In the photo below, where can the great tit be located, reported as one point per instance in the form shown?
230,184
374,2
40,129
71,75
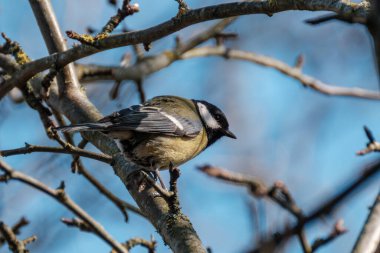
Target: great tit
162,131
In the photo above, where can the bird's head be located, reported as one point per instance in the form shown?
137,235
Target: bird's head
214,121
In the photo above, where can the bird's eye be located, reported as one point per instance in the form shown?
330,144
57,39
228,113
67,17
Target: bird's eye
217,117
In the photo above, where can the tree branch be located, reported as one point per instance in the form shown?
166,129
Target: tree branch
150,245
337,230
148,65
369,238
15,228
154,33
158,62
15,245
125,10
65,200
257,188
290,71
68,150
122,205
55,42
75,105
78,223
372,145
326,207
373,24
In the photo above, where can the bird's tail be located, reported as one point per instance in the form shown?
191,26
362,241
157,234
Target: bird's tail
82,127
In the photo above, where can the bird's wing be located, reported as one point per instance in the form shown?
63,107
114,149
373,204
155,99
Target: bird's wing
150,119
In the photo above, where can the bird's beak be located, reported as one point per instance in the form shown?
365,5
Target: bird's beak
229,134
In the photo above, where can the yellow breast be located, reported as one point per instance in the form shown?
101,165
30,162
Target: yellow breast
165,149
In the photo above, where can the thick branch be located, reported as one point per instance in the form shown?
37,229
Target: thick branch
76,107
374,28
343,8
54,41
369,239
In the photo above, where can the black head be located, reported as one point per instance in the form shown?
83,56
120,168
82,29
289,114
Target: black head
213,120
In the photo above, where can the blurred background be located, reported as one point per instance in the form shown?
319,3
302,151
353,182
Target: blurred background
285,131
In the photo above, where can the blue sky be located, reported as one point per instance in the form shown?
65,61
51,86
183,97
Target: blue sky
285,131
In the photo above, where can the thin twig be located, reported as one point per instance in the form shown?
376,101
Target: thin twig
30,239
337,230
256,187
278,193
140,90
286,201
47,82
15,245
148,65
77,163
304,242
12,47
281,195
158,62
182,8
331,17
76,222
325,208
288,70
150,245
69,150
122,205
125,62
114,21
15,228
372,145
65,200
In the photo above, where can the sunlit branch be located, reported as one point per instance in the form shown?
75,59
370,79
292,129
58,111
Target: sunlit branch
189,18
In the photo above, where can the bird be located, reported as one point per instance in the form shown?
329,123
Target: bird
162,132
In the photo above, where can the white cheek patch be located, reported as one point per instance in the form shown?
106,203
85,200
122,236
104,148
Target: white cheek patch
207,117
173,119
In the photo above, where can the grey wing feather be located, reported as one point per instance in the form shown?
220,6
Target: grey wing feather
150,119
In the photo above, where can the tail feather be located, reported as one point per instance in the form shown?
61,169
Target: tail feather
82,127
